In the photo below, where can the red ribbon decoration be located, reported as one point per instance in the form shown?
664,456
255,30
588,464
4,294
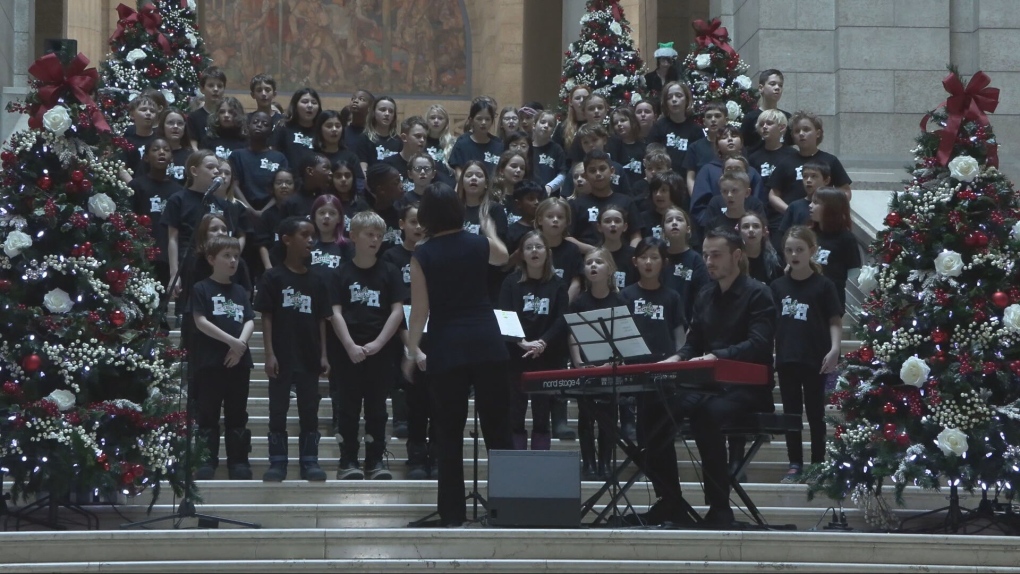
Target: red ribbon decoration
965,103
150,20
713,33
55,81
616,11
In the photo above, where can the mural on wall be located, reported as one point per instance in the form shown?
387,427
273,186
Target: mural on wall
398,47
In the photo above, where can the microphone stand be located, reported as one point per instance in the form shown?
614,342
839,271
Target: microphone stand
186,508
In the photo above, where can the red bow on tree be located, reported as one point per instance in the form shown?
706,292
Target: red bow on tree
713,33
150,20
616,11
56,80
965,103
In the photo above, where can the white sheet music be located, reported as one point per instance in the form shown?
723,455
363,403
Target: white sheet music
509,323
587,329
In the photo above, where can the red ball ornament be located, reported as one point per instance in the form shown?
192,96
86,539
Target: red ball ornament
70,188
11,388
93,317
939,336
867,355
981,238
85,185
980,316
1000,299
5,285
44,183
903,439
713,85
893,219
971,239
143,220
1015,367
889,431
31,363
117,317
889,408
77,175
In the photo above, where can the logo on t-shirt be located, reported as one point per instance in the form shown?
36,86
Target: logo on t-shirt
296,300
615,179
793,307
544,159
382,153
634,167
767,169
472,228
657,232
222,152
621,279
800,173
512,218
156,205
319,257
347,224
676,142
175,171
407,184
491,158
227,308
391,235
680,271
539,306
593,214
364,295
558,272
215,210
267,165
141,151
650,310
436,153
822,257
302,139
406,272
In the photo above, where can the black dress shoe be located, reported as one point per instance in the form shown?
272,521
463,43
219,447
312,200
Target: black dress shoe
718,518
662,513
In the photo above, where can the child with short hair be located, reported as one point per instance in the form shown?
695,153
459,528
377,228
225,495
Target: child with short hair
362,102
228,128
838,253
380,139
382,194
421,170
627,146
211,83
593,137
665,191
808,336
414,397
528,194
548,160
540,301
477,144
733,201
763,262
255,165
152,190
786,184
143,111
676,129
706,184
295,136
601,292
772,150
221,360
295,307
816,175
413,132
263,90
704,150
770,85
647,111
367,297
266,239
599,172
655,162
315,179
595,107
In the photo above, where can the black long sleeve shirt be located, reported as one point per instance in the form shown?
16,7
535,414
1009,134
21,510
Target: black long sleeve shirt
738,324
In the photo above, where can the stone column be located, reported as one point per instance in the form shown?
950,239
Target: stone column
986,37
17,52
85,23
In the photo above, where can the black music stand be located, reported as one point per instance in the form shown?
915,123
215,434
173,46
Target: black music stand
607,335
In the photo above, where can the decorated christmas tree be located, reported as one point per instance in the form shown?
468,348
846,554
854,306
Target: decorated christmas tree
715,72
931,398
604,58
87,385
156,47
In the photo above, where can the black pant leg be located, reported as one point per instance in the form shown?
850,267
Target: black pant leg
235,399
814,408
419,408
791,380
492,395
279,403
378,376
449,390
307,390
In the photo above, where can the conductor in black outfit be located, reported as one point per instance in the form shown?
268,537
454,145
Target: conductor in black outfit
734,318
449,274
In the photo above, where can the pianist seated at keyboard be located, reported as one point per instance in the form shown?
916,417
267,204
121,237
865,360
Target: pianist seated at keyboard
734,318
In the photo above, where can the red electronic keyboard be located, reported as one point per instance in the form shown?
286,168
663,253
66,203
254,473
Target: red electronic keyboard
690,375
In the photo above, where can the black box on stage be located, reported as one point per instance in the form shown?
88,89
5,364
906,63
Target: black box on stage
534,488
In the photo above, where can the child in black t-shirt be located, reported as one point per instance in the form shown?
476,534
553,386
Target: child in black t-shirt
548,160
786,184
684,270
600,293
152,190
816,175
665,190
411,403
733,201
540,301
808,336
294,303
658,310
527,195
266,239
763,262
143,111
219,355
599,172
367,297
613,226
331,247
227,129
315,174
838,253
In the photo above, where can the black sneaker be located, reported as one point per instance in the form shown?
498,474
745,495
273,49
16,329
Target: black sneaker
349,471
378,471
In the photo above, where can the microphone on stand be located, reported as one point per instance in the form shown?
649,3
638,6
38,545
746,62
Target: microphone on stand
208,195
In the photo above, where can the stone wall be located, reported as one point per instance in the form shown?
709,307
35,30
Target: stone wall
872,68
